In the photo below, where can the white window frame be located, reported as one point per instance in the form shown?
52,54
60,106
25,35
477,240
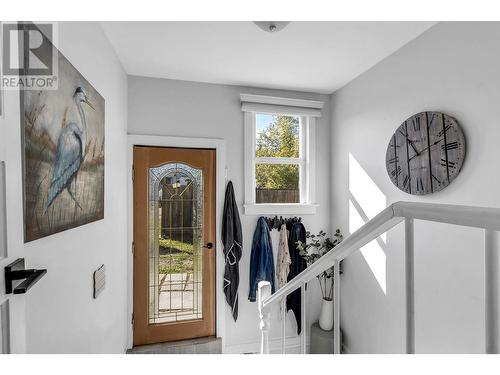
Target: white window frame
307,111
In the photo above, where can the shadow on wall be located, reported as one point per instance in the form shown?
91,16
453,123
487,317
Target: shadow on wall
366,200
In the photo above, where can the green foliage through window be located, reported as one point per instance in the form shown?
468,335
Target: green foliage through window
280,139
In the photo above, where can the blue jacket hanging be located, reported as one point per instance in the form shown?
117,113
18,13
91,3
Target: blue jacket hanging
261,258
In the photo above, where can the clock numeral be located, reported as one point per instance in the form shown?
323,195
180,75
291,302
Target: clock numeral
437,179
448,164
430,118
404,134
394,160
441,132
406,181
420,185
396,172
416,124
449,146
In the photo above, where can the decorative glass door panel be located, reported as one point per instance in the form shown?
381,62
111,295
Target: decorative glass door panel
175,243
174,220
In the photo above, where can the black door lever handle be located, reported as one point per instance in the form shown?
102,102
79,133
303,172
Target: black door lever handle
16,271
209,245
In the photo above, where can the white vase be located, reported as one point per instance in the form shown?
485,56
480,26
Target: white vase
326,316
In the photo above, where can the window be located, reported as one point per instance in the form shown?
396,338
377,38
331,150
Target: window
278,158
279,154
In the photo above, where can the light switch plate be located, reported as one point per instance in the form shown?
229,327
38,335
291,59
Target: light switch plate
99,280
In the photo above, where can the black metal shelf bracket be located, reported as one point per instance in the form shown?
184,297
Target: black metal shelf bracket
15,272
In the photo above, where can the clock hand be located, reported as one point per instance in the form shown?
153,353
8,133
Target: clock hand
435,143
413,147
414,156
410,142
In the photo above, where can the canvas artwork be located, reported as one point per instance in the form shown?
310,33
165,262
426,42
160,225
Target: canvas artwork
63,139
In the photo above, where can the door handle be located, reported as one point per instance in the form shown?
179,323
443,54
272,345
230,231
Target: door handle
16,271
209,245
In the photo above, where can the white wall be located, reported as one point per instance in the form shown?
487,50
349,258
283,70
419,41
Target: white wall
61,315
452,68
188,109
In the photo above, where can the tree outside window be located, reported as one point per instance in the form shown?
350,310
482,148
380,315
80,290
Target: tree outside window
277,137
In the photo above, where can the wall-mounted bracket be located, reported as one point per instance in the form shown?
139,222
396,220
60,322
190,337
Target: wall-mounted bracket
16,271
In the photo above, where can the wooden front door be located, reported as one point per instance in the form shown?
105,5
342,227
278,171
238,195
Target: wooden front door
174,239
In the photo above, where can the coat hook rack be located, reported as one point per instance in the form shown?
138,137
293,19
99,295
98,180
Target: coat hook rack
276,223
16,271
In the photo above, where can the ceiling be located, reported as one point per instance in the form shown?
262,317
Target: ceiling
304,56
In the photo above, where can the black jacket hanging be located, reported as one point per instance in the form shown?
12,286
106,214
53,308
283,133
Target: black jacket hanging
232,241
297,265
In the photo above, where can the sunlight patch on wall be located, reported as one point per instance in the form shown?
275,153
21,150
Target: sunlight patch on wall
376,259
367,195
366,201
372,252
355,219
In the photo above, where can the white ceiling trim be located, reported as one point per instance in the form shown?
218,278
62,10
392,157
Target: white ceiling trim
280,109
291,102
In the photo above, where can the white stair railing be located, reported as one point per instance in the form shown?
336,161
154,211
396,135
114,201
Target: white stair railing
477,217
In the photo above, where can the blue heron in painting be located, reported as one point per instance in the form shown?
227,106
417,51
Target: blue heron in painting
70,152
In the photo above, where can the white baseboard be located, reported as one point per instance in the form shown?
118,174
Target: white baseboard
292,346
346,350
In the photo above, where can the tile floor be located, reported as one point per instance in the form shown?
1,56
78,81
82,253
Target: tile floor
204,345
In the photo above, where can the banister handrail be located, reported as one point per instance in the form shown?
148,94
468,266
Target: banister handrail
478,217
469,216
371,230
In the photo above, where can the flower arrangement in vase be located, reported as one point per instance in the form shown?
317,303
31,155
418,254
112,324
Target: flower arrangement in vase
318,246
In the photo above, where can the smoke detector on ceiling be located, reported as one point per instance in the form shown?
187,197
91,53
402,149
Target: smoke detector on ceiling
272,26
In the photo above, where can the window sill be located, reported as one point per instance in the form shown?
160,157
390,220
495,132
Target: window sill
280,209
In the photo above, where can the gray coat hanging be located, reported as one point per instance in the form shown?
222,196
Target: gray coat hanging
232,241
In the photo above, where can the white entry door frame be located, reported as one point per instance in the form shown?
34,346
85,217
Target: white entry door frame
221,176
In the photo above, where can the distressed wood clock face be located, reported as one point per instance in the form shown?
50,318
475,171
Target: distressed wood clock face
426,153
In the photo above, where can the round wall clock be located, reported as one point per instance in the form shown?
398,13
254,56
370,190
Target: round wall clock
426,153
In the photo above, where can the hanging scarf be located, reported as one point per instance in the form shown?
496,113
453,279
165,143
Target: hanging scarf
232,242
283,257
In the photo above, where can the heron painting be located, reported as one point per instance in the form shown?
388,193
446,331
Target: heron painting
64,149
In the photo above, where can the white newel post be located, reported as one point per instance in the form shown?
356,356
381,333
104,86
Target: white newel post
410,286
491,288
303,323
283,324
336,307
264,292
